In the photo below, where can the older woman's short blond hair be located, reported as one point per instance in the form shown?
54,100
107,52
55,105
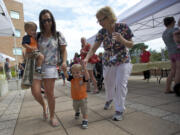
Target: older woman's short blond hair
76,67
107,11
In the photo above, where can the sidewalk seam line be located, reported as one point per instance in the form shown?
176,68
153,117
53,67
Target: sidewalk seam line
62,124
19,113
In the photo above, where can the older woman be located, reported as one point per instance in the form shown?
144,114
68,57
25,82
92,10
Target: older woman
116,38
48,41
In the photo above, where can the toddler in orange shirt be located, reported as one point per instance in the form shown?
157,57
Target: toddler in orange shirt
30,43
78,81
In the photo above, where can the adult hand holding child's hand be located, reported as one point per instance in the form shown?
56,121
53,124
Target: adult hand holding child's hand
64,66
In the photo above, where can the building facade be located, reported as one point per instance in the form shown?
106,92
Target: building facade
15,10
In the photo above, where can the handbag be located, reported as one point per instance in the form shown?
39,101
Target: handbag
28,73
60,60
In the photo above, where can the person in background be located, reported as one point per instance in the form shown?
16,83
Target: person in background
176,36
76,58
145,58
173,52
98,72
63,76
7,69
78,81
177,89
20,70
116,39
90,66
71,63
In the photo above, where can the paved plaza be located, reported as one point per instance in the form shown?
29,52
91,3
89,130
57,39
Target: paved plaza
149,112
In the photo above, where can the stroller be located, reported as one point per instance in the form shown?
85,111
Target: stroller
98,73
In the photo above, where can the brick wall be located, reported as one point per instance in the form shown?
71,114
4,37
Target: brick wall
7,43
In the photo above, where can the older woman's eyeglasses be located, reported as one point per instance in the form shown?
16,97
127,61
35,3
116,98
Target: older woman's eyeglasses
101,20
46,20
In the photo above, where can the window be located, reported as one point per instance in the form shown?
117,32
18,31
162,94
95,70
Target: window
17,51
17,33
14,14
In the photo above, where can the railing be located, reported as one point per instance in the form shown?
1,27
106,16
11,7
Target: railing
158,69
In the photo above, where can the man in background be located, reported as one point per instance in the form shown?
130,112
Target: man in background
7,69
145,58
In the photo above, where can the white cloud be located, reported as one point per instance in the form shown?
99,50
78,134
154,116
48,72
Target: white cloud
82,26
156,44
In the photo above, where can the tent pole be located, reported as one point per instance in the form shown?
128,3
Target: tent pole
17,76
16,55
4,75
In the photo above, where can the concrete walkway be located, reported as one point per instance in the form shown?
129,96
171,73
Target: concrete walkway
149,112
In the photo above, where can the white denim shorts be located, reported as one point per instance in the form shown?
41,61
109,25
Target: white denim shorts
47,72
90,66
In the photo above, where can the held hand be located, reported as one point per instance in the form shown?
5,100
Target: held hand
34,49
31,48
64,66
84,63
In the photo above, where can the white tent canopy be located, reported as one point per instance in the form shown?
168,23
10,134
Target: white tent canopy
6,29
146,18
4,56
6,26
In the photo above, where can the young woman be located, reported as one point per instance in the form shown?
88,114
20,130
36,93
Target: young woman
48,42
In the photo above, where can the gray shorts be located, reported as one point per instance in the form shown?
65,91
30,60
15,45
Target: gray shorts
33,54
8,75
80,104
90,66
47,72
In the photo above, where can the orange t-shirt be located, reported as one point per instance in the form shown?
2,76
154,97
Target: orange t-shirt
78,88
30,41
33,44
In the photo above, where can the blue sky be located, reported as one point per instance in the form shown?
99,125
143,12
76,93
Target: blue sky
76,18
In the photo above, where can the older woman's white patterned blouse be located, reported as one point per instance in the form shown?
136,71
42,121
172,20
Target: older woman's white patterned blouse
115,52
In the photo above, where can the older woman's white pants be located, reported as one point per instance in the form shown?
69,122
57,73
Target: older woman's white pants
115,82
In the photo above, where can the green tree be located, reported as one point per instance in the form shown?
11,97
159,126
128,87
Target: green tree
155,56
133,59
136,49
